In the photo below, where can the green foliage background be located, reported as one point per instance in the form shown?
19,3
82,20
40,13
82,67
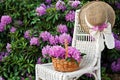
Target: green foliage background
23,57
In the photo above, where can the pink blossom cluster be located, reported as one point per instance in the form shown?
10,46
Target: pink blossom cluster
59,52
41,10
60,5
54,40
48,1
62,28
13,29
117,44
70,16
34,41
8,47
115,66
75,4
5,19
27,34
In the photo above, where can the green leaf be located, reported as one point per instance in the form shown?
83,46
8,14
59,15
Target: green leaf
43,60
68,59
28,70
5,74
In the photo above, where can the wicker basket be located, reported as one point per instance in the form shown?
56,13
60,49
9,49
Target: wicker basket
65,66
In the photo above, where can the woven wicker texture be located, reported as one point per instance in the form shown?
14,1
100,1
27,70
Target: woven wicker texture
65,66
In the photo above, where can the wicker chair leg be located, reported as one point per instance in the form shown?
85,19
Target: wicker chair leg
98,72
95,76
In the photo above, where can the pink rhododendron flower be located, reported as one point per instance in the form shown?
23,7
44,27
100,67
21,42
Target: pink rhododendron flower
8,47
60,5
75,4
3,55
117,44
70,16
48,1
52,40
27,34
13,29
57,52
115,66
41,10
45,36
34,41
46,51
74,53
2,27
64,36
39,61
62,28
5,19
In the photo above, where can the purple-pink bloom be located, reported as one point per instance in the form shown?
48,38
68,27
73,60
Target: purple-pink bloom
34,41
70,16
6,19
74,53
75,4
45,36
62,28
48,1
57,39
3,55
27,34
2,27
41,10
45,51
118,5
22,78
60,5
29,76
115,66
64,37
39,61
12,30
57,52
1,78
117,44
52,40
43,5
89,75
8,47
116,36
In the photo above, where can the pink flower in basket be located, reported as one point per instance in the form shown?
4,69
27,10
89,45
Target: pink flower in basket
60,52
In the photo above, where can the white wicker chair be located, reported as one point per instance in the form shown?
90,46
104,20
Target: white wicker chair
89,64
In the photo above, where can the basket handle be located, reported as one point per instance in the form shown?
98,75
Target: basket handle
66,48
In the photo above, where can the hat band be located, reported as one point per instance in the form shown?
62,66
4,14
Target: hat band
99,28
103,34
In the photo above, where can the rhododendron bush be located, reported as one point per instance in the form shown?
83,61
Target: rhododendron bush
29,27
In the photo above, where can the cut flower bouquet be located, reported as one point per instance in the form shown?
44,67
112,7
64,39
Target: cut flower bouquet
64,59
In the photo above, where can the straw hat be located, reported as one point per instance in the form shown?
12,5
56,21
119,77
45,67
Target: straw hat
96,13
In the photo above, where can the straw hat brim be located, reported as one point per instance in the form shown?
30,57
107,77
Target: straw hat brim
109,10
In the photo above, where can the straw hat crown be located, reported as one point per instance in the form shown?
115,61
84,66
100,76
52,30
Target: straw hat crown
96,13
